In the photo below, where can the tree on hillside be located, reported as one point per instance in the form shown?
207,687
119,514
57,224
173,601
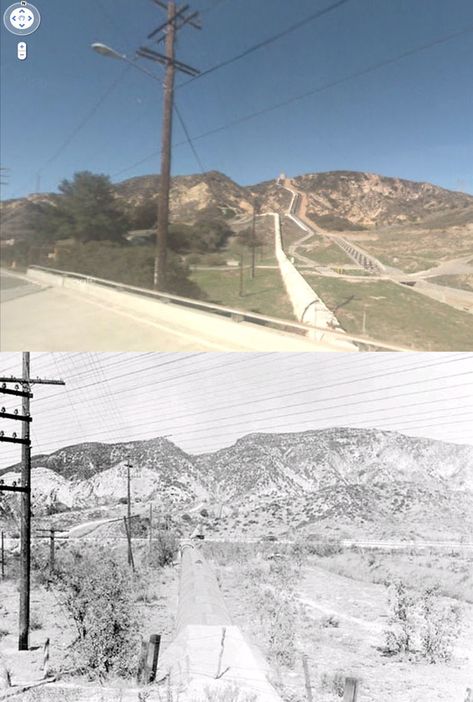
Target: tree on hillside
245,238
205,236
143,215
90,210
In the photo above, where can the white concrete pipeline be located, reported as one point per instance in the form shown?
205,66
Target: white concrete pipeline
210,651
308,306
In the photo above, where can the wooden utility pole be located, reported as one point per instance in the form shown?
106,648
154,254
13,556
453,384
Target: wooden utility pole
128,536
166,135
150,535
25,488
25,523
256,209
128,511
176,19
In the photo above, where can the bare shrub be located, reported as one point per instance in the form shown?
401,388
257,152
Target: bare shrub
421,623
164,548
97,592
403,619
329,621
228,693
333,682
278,617
440,627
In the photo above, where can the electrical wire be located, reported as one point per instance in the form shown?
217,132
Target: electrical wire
314,91
270,40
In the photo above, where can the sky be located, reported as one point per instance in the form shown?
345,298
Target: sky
67,109
206,401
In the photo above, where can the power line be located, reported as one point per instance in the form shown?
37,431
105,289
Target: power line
305,388
186,429
270,40
314,91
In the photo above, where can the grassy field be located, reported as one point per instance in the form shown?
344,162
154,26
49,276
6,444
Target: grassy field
265,294
414,249
325,253
465,282
395,314
338,621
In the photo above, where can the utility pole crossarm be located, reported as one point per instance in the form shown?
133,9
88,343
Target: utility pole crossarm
32,381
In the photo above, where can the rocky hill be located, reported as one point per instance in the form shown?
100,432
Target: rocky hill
351,200
337,200
338,476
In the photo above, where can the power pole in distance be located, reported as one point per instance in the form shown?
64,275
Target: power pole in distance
176,18
25,488
128,507
253,238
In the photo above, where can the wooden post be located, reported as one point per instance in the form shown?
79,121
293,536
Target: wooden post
130,551
351,690
51,551
46,658
3,556
308,685
140,677
152,657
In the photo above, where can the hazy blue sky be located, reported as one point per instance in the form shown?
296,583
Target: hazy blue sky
412,118
205,401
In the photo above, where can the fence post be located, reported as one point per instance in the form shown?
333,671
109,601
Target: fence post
351,690
152,658
46,658
308,685
51,551
141,677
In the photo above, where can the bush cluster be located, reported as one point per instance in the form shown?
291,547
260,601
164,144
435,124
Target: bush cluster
97,592
421,623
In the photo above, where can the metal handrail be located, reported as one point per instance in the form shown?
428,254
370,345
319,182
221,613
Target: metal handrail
223,310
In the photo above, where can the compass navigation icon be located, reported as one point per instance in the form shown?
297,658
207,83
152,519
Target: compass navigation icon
21,18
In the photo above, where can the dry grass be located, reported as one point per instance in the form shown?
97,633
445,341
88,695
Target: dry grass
452,572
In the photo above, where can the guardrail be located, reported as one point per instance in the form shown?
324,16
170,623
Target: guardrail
238,315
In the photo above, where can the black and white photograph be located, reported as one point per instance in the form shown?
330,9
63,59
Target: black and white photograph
210,527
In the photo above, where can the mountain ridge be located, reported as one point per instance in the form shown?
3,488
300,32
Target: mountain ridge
337,200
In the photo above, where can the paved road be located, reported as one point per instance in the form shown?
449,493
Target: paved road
44,318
